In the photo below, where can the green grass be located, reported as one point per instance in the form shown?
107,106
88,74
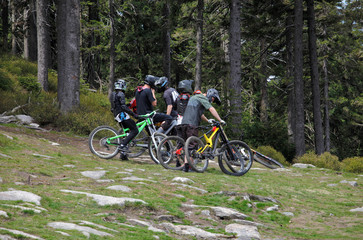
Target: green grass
320,211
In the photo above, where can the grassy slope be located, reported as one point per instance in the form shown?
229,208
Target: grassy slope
321,212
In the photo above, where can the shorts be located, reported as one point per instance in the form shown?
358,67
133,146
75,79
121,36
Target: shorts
185,131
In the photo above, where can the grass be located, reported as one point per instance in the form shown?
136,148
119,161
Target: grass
320,211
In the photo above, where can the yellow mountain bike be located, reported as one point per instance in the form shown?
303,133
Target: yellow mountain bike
234,157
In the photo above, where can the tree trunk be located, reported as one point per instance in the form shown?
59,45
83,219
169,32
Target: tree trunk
318,125
13,27
166,49
326,106
289,75
68,36
112,50
30,32
199,57
299,81
263,84
235,63
5,23
43,42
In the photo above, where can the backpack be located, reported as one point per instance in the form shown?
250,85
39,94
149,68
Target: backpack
132,105
182,103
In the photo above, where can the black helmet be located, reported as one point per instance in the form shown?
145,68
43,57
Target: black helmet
161,84
213,93
185,86
120,85
150,80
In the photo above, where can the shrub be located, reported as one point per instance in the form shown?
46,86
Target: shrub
30,83
12,99
272,153
44,108
6,83
325,160
353,164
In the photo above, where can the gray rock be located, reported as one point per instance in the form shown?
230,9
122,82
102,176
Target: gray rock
356,210
4,155
21,233
34,209
63,233
120,188
4,214
1,180
205,213
103,200
182,180
168,218
133,178
192,231
6,237
105,180
96,225
303,165
183,186
84,230
228,213
7,119
144,224
15,195
246,222
352,183
289,214
69,166
273,208
243,231
24,119
332,185
94,174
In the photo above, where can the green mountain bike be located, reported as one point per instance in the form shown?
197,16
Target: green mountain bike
104,141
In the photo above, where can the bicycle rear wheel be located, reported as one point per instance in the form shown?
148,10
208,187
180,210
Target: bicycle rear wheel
97,142
195,158
235,158
171,152
266,161
153,147
138,145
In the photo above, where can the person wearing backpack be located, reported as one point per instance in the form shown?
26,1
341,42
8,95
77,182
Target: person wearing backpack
122,115
146,101
170,96
185,89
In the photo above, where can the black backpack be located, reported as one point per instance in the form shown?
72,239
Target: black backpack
182,103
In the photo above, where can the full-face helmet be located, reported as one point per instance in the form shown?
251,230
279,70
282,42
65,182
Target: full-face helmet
185,86
161,84
213,93
120,85
150,80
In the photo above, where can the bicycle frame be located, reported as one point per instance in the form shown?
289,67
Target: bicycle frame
217,131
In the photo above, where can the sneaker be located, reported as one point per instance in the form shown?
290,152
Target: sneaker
177,164
123,148
186,167
123,156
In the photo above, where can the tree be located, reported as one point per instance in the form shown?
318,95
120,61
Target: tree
5,23
30,31
166,45
299,81
68,39
199,47
112,49
235,62
318,125
42,7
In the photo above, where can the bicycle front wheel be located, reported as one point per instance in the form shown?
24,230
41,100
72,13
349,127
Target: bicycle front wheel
235,158
153,146
197,161
171,152
267,161
97,142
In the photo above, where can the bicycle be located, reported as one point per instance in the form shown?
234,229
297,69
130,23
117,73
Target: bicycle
234,157
104,141
265,160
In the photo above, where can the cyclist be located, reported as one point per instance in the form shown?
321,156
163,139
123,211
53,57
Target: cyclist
194,113
121,113
185,89
170,96
146,101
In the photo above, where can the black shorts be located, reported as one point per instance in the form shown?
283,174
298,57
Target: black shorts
185,131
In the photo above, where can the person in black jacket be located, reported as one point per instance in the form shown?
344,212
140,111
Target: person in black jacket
121,113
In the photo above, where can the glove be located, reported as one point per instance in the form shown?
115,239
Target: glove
222,122
211,121
136,116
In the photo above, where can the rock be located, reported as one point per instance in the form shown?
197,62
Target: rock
133,178
303,165
7,119
34,209
356,210
24,119
4,214
94,174
21,233
105,180
332,185
168,218
96,225
205,213
228,213
289,214
182,180
15,195
4,155
6,237
42,156
192,231
183,186
71,226
103,200
120,188
262,199
352,183
1,180
273,208
69,166
243,231
144,224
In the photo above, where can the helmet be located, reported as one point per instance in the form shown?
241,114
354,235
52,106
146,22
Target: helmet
185,86
150,80
213,93
120,85
161,84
